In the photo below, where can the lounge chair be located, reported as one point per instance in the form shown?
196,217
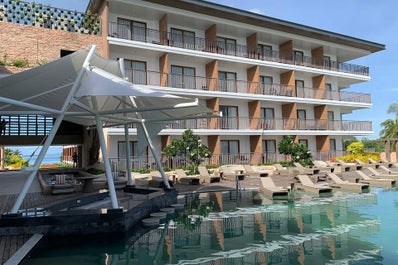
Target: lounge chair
299,169
363,164
255,173
388,163
309,186
156,180
388,174
232,173
274,192
322,166
206,176
349,166
282,170
187,180
377,182
346,185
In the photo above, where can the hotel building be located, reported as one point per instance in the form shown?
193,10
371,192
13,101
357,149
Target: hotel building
268,77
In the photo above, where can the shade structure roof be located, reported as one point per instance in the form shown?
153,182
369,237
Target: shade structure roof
100,91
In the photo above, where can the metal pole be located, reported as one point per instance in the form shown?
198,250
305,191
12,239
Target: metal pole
108,171
50,137
155,156
130,179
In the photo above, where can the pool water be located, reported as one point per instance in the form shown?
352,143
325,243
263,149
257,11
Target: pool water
228,228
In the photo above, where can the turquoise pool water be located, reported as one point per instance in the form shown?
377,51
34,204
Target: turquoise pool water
223,228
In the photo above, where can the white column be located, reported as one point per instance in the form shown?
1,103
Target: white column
108,171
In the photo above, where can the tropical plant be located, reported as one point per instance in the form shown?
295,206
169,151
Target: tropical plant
297,151
356,148
13,158
189,148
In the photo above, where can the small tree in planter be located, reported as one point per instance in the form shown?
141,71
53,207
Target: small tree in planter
297,151
190,148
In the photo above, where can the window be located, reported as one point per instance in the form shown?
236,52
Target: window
266,85
328,91
330,116
227,81
301,119
182,77
326,62
229,151
268,117
269,151
298,57
129,29
135,71
121,149
332,145
264,51
229,119
299,85
226,46
182,38
303,142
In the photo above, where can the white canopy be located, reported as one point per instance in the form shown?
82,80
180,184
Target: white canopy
86,89
43,90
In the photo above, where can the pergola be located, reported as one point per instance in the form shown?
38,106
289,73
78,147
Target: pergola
89,90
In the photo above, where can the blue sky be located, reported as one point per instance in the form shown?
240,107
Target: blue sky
371,20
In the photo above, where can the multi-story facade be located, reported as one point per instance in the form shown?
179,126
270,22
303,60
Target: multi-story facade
268,77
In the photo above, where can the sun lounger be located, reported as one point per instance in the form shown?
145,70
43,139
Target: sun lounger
274,192
255,173
349,166
232,173
309,186
187,180
282,170
377,182
388,163
346,185
206,176
388,175
156,180
299,169
363,164
323,166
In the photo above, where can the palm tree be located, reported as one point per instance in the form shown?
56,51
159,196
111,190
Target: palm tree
390,126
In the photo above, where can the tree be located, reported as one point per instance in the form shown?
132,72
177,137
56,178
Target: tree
190,148
297,151
13,158
356,148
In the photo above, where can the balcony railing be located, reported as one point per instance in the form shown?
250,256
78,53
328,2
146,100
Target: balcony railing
148,162
199,44
240,86
245,123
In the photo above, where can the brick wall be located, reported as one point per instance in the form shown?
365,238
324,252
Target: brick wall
40,45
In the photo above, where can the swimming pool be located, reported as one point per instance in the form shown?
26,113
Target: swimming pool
225,228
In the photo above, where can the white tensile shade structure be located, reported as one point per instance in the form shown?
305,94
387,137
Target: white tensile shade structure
89,90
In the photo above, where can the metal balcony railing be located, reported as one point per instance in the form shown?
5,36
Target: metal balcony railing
148,162
245,123
145,77
199,44
27,125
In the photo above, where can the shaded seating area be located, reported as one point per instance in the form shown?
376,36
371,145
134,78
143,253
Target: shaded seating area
206,176
309,186
271,190
346,185
377,182
59,181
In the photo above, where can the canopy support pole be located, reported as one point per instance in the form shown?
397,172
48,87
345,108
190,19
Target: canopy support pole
155,156
53,131
130,179
108,171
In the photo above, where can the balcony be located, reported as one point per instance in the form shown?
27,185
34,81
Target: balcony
143,77
245,123
199,44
